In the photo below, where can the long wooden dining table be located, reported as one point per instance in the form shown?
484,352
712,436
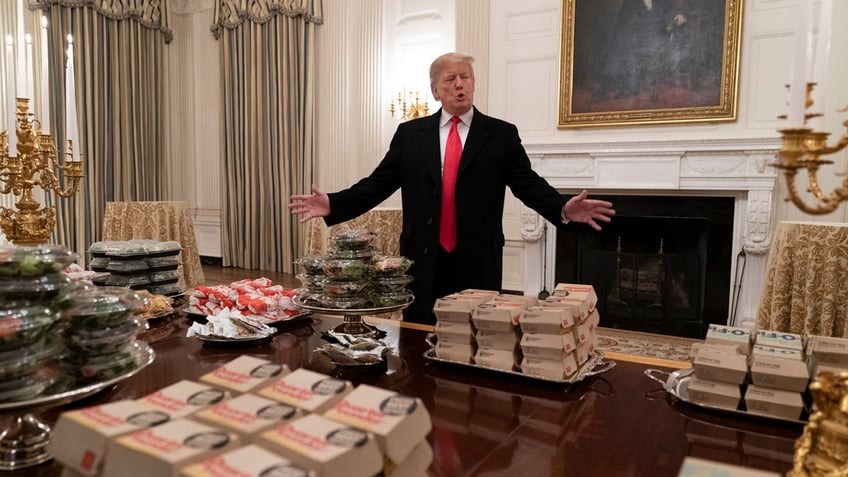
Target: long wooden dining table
617,423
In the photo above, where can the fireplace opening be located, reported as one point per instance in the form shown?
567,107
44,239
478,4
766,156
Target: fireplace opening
662,265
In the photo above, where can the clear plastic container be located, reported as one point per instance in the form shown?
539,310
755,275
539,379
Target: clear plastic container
391,284
312,283
126,266
343,303
352,239
158,264
391,299
93,342
163,277
311,265
28,386
365,254
37,289
391,266
169,289
34,261
346,269
137,281
100,249
99,264
22,361
23,325
345,288
164,249
102,307
87,369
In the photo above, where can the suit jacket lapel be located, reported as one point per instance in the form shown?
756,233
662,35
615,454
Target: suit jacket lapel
429,138
478,134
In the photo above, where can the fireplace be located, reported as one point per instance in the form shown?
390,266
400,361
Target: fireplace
662,265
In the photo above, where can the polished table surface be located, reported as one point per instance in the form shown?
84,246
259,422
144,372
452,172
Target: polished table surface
619,423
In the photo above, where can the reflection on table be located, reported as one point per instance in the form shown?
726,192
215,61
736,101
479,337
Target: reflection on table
806,282
157,221
487,423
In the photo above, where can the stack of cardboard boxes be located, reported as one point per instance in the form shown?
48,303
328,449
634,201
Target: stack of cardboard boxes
762,372
551,338
253,416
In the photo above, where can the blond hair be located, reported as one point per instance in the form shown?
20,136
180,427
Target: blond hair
441,62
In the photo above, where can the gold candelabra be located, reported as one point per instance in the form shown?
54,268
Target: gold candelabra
802,149
35,165
409,108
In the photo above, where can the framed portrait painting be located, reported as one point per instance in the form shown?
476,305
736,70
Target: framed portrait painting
648,61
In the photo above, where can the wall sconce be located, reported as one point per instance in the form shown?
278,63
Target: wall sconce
410,107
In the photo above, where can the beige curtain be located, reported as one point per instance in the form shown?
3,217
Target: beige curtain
268,70
119,64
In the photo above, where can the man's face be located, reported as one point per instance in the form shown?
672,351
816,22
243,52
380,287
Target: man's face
455,88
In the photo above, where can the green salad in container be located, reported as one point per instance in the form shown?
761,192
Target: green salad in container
22,326
34,261
102,307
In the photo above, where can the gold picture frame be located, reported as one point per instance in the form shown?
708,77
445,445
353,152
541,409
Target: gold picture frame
628,62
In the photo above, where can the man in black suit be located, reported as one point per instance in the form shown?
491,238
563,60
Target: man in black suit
492,158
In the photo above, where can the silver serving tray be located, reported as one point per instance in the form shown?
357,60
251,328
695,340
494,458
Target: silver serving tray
143,356
594,366
676,383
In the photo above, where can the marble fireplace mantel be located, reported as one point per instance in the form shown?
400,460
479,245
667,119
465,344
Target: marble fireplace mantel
738,168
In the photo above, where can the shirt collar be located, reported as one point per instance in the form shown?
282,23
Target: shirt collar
466,117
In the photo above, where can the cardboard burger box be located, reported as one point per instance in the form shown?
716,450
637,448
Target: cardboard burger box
497,340
696,467
772,352
496,316
461,353
542,319
574,290
547,346
185,397
829,350
780,373
307,390
486,295
585,330
779,339
247,414
526,300
245,374
724,348
729,335
453,332
248,461
720,366
165,449
457,307
556,369
81,437
578,307
415,465
398,422
325,446
714,393
773,402
507,360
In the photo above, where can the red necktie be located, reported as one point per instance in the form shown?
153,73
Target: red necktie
453,152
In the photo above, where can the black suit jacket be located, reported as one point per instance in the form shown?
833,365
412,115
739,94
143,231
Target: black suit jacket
492,159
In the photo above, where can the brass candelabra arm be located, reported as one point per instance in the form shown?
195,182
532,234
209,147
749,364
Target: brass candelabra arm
825,204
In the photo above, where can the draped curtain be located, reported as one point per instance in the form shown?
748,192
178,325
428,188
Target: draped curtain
268,71
119,65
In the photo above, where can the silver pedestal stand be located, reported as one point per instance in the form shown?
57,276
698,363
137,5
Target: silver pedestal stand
353,324
23,443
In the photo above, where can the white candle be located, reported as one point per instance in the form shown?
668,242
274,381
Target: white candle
44,99
798,85
29,80
21,76
71,102
10,97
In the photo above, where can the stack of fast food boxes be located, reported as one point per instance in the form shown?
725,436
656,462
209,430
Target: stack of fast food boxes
249,417
761,371
551,338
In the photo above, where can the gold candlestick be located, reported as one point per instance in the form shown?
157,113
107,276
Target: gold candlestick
802,149
35,165
410,108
